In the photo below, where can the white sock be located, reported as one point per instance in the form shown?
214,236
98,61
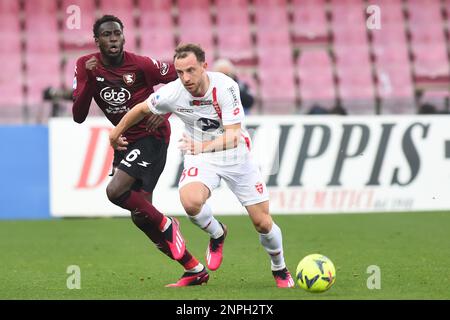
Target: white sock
205,220
199,267
273,243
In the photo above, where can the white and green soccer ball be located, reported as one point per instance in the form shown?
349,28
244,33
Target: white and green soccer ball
315,273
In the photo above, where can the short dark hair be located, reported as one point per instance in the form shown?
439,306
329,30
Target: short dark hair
182,50
105,18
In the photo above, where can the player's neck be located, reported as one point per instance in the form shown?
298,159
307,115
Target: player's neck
112,61
204,88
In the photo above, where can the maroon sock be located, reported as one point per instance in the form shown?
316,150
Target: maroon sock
156,236
137,202
151,231
188,261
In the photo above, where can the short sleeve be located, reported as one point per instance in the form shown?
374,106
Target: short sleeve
230,103
163,100
157,72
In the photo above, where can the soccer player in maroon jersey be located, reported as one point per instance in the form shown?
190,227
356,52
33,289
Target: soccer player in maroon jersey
119,80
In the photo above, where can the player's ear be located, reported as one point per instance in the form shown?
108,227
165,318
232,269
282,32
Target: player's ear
205,65
96,42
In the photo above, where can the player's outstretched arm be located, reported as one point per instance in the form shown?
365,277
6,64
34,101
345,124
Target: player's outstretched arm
228,140
136,114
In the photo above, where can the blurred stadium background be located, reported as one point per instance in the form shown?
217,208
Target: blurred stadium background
292,53
299,57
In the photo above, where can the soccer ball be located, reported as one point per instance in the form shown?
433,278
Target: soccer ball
315,273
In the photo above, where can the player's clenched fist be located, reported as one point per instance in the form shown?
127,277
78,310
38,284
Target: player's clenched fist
189,146
91,64
118,142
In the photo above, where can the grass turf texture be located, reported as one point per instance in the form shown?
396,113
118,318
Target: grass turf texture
118,262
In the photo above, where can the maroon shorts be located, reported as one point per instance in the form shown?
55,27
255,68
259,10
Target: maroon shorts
144,160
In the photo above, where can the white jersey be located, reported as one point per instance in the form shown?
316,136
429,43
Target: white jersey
205,117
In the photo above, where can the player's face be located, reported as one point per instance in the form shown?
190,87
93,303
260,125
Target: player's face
192,74
110,40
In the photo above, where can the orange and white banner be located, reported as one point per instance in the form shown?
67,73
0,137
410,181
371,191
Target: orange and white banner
320,164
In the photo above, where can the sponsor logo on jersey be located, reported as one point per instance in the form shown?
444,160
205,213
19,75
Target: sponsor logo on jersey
129,78
186,110
208,124
200,103
236,111
115,110
101,79
259,187
115,96
164,69
234,95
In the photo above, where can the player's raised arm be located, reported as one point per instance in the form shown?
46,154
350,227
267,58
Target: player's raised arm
135,115
83,88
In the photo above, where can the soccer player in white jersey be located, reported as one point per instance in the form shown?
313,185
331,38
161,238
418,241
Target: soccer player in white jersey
216,146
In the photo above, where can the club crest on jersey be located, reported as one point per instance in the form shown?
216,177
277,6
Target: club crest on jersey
129,78
259,187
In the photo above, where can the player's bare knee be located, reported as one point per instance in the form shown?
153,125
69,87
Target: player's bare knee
192,205
263,225
192,209
111,192
114,192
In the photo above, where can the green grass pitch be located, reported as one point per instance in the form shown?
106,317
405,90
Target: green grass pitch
117,261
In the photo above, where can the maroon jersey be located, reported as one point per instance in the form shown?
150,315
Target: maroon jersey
118,89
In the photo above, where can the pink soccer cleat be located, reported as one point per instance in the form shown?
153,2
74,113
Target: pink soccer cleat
192,279
283,278
214,252
174,240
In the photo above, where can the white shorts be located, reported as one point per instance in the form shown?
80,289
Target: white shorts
244,179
